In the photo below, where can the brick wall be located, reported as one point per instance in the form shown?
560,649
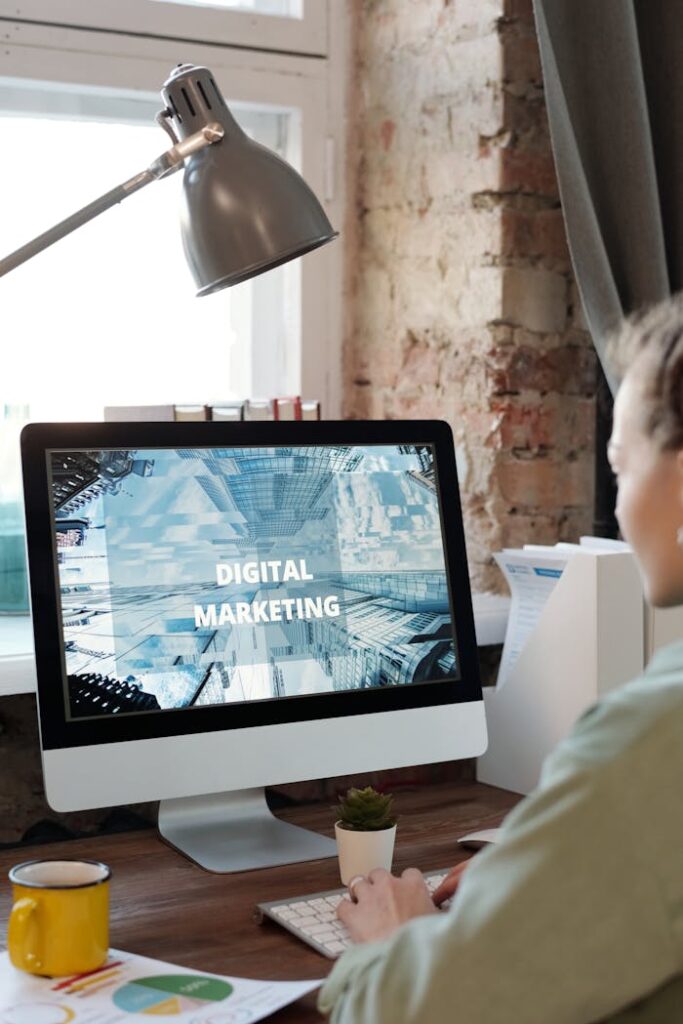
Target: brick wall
461,299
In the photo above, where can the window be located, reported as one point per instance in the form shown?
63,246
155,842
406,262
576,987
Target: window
108,315
283,8
123,277
283,26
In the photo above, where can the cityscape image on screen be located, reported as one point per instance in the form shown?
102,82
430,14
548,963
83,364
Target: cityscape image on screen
208,576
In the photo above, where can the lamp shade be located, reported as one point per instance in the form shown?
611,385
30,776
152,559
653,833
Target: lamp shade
245,210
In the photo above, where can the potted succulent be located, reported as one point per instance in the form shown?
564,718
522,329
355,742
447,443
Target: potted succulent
365,831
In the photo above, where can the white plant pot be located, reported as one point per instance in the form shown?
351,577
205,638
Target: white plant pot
360,852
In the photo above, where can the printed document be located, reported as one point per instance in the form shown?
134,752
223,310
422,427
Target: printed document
531,576
132,988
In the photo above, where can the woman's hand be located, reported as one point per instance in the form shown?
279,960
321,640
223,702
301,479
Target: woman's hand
449,884
383,903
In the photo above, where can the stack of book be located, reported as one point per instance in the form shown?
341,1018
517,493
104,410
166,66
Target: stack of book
294,408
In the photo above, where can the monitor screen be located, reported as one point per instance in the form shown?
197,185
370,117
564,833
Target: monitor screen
226,606
203,576
191,579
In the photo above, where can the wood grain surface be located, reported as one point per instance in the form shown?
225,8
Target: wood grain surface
164,906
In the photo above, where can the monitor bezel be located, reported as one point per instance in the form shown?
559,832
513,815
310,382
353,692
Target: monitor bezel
58,731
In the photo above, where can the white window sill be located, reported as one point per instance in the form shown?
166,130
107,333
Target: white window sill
18,671
17,667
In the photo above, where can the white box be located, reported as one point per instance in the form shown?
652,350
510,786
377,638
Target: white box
590,638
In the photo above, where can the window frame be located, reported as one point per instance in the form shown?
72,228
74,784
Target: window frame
159,19
56,52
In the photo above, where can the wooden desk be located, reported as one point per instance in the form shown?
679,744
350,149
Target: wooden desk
165,907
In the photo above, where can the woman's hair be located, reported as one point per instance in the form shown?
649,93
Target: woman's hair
651,344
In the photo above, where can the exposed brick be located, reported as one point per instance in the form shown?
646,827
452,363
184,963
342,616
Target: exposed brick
555,422
572,523
535,235
545,483
525,116
524,426
528,170
482,298
519,530
421,361
574,369
522,59
568,369
522,10
576,522
387,130
534,298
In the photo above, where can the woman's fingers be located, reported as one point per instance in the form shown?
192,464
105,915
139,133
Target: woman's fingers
449,884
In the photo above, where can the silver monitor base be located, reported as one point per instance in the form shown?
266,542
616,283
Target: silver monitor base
225,832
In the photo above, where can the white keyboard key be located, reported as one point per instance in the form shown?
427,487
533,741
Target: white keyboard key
298,906
285,913
335,947
327,915
326,938
306,922
317,929
334,900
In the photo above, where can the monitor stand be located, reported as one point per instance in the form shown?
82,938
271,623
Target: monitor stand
237,831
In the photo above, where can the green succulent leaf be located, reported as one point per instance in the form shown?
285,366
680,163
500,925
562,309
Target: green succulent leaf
366,810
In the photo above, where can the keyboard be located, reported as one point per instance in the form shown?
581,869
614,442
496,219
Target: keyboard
313,918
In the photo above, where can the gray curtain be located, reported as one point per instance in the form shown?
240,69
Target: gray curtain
613,74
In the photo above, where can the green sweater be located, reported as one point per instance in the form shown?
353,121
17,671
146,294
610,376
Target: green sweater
576,916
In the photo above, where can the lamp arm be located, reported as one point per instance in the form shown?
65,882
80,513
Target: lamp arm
170,161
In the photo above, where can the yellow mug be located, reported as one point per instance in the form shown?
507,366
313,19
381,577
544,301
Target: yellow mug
59,923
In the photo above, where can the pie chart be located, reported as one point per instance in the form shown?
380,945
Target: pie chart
170,994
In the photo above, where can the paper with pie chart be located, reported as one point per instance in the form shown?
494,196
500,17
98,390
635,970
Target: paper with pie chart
131,988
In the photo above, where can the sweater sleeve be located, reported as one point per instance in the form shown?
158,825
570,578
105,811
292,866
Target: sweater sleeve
564,921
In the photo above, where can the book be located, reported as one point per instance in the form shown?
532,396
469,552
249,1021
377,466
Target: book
184,413
258,409
227,412
287,408
310,409
138,413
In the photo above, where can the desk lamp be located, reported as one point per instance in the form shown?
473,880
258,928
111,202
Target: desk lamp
245,209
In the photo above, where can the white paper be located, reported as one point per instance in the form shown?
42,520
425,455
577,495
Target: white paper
532,577
603,544
553,549
133,988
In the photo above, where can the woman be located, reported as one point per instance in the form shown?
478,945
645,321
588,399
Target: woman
576,916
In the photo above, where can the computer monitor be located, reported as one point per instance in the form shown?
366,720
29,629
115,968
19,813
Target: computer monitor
218,607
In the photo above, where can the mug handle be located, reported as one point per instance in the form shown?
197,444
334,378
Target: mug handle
17,935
